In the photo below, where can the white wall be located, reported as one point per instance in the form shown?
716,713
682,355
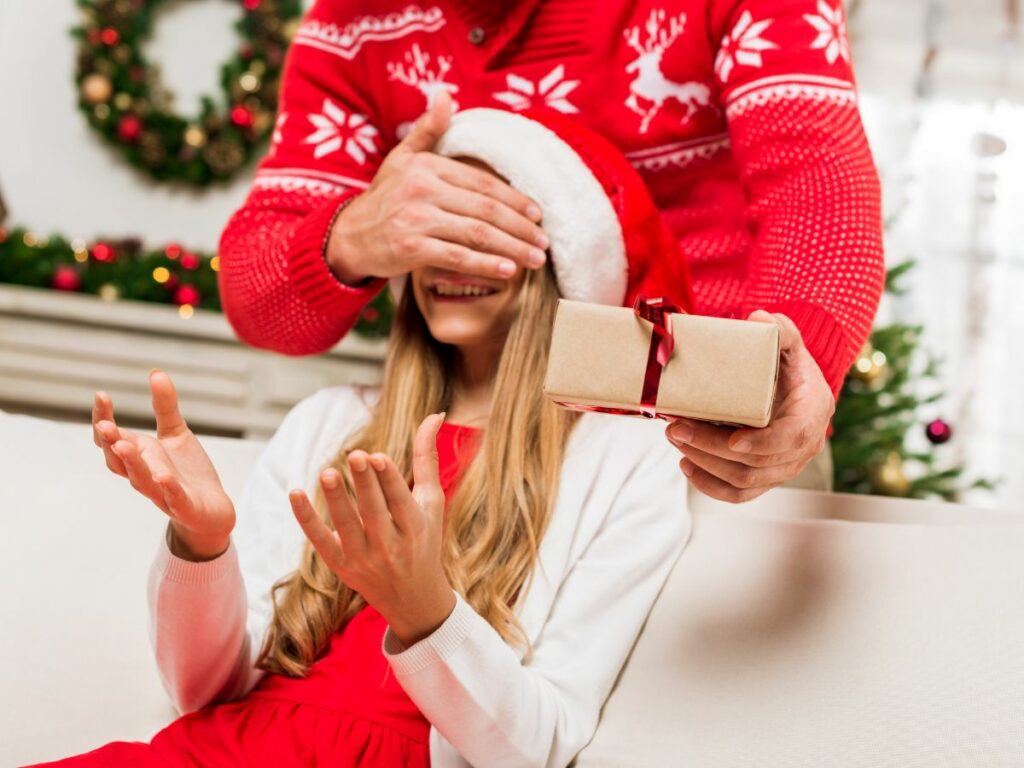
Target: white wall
57,175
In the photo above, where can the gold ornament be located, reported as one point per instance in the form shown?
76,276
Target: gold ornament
261,122
870,364
102,111
96,89
223,156
110,292
195,136
249,82
888,478
123,101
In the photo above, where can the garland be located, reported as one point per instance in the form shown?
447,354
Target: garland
125,269
121,95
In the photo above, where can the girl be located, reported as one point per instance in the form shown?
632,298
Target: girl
479,617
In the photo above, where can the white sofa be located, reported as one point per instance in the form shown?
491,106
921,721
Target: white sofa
803,629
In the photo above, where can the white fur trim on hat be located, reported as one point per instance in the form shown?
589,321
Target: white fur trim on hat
587,250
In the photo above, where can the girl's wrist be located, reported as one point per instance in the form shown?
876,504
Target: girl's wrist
411,626
193,547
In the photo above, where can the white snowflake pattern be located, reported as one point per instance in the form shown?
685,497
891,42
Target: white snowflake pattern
552,90
278,135
831,28
336,128
743,46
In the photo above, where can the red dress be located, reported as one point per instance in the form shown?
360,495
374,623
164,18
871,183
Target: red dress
348,712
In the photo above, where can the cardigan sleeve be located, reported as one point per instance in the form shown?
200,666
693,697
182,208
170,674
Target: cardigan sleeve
276,288
499,711
786,83
208,619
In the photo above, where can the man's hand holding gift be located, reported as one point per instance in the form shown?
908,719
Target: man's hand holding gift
739,464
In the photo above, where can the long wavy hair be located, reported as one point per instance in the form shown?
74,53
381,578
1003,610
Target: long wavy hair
504,497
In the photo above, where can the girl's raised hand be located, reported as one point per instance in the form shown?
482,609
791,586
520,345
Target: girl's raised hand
172,470
386,543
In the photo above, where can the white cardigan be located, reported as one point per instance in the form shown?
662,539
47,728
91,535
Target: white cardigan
619,524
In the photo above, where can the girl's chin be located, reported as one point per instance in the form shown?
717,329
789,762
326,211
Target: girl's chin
459,332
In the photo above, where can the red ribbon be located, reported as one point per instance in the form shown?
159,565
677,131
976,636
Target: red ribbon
656,311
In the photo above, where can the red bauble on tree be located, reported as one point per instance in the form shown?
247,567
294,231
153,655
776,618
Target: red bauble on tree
173,251
938,431
189,261
186,294
65,278
128,129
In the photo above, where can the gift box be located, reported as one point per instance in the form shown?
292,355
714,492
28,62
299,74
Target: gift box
655,361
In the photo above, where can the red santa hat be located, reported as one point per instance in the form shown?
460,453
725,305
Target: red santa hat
608,241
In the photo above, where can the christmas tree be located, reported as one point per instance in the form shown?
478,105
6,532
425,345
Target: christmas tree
879,407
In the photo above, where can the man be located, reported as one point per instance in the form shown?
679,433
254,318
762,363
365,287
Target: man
740,115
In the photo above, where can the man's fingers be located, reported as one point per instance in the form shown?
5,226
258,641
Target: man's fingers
461,174
475,205
743,476
709,438
169,422
342,511
785,435
484,237
717,488
323,539
426,474
789,334
459,258
430,126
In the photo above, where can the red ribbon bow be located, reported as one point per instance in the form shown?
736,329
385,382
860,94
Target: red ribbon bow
656,311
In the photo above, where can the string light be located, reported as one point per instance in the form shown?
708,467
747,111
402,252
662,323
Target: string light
161,274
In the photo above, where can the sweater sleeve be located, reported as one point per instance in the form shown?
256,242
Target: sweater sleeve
814,203
499,711
208,619
276,288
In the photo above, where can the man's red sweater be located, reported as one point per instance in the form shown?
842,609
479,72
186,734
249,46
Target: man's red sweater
740,115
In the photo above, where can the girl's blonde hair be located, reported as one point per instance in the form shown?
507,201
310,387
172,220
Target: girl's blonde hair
504,498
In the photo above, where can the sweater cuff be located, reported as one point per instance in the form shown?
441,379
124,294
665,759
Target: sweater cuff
436,647
170,567
824,338
308,269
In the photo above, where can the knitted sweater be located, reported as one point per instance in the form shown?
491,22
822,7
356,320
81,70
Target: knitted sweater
740,115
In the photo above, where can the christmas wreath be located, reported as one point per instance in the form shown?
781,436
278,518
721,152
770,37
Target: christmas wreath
122,97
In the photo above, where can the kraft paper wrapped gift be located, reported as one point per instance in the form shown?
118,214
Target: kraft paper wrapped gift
606,358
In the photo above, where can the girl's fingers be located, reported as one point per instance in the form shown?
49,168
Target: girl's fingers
373,508
400,501
323,539
139,475
105,432
426,475
176,497
169,422
342,511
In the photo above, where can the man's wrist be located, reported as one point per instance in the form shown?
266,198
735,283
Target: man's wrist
336,245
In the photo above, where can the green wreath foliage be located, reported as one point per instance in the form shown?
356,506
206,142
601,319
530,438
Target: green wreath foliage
122,97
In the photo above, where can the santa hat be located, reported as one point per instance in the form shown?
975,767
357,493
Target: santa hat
608,241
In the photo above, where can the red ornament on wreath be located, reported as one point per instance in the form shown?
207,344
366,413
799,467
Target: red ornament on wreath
189,260
173,251
938,432
129,128
65,278
241,117
186,294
